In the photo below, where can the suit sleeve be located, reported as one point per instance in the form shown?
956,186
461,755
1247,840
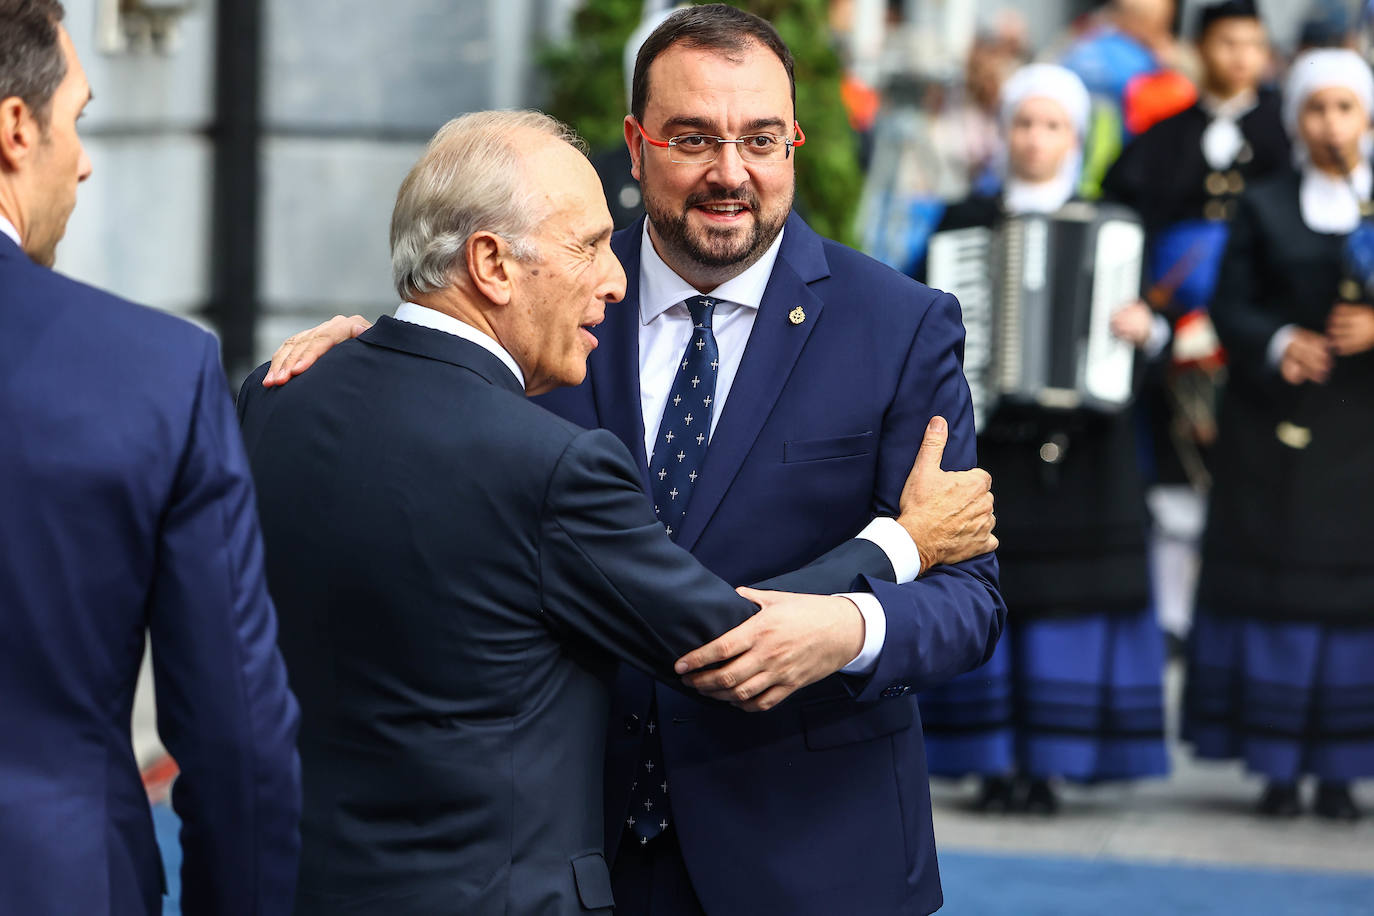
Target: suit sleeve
611,575
948,621
840,570
224,709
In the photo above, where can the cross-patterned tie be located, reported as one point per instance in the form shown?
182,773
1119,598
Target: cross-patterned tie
683,434
685,429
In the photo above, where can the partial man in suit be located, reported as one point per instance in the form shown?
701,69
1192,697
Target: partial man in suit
827,368
458,569
128,514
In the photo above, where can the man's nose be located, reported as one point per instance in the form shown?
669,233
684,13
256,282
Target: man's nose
83,166
728,167
613,290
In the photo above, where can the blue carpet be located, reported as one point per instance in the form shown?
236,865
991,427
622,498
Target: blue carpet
1002,885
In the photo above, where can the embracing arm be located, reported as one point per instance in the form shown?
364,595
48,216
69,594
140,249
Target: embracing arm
948,621
933,628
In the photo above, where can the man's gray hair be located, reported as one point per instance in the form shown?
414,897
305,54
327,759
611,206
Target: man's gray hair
470,179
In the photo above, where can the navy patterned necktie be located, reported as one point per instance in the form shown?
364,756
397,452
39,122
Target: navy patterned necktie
685,429
683,434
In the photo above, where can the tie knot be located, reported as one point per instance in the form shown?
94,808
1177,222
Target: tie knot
701,307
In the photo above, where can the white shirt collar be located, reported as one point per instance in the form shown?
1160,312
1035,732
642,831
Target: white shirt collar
438,321
1328,204
7,228
1042,197
660,288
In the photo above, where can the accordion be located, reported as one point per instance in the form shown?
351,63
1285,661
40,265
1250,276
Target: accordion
1038,293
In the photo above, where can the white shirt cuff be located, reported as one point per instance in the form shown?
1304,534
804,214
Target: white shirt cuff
900,549
1278,344
875,633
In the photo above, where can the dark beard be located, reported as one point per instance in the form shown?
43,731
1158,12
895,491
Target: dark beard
715,249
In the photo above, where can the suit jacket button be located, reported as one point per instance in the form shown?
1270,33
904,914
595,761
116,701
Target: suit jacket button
632,724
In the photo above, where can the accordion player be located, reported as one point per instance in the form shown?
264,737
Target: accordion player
1038,292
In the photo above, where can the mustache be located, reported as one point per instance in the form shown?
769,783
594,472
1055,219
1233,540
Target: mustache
739,195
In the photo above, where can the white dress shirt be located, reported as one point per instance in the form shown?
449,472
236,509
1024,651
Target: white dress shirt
427,317
7,228
664,331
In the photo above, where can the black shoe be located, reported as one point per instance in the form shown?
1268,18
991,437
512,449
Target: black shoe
1334,802
1280,799
995,795
1040,798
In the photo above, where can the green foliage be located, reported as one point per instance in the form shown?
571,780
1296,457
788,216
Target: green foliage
587,90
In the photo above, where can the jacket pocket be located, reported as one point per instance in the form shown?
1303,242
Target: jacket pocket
824,449
593,880
836,722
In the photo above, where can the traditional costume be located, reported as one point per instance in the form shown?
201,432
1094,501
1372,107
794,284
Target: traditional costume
1074,688
1280,673
1184,176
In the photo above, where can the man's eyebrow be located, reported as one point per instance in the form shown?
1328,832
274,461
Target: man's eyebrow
705,125
761,124
598,236
691,123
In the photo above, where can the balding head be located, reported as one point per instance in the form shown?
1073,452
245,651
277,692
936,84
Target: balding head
473,177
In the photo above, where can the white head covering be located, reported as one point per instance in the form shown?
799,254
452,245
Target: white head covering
1063,87
1049,81
1324,68
1329,204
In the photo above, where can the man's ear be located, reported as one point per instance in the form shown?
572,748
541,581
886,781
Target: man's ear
635,143
489,262
19,132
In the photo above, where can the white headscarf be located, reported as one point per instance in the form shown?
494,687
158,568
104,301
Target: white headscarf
1324,68
1328,203
1063,87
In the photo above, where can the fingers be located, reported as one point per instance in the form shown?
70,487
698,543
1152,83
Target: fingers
300,351
723,647
932,449
757,596
768,699
741,691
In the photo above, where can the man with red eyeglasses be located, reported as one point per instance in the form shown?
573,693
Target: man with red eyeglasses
781,429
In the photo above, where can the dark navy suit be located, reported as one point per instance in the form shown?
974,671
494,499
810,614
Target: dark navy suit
822,805
457,570
128,511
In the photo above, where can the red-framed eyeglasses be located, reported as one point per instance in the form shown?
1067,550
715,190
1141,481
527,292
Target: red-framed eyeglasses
699,149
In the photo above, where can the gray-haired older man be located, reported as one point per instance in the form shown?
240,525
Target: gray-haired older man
456,569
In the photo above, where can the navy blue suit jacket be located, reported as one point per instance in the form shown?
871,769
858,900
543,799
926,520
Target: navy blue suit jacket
823,804
128,512
457,570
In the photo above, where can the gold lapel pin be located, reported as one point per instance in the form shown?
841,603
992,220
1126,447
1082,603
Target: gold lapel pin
798,315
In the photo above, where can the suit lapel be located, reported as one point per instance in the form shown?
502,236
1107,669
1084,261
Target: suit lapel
614,364
774,346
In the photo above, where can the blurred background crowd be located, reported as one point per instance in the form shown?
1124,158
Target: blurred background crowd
257,145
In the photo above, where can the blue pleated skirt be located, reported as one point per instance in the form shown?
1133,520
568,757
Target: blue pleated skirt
1288,699
1079,698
